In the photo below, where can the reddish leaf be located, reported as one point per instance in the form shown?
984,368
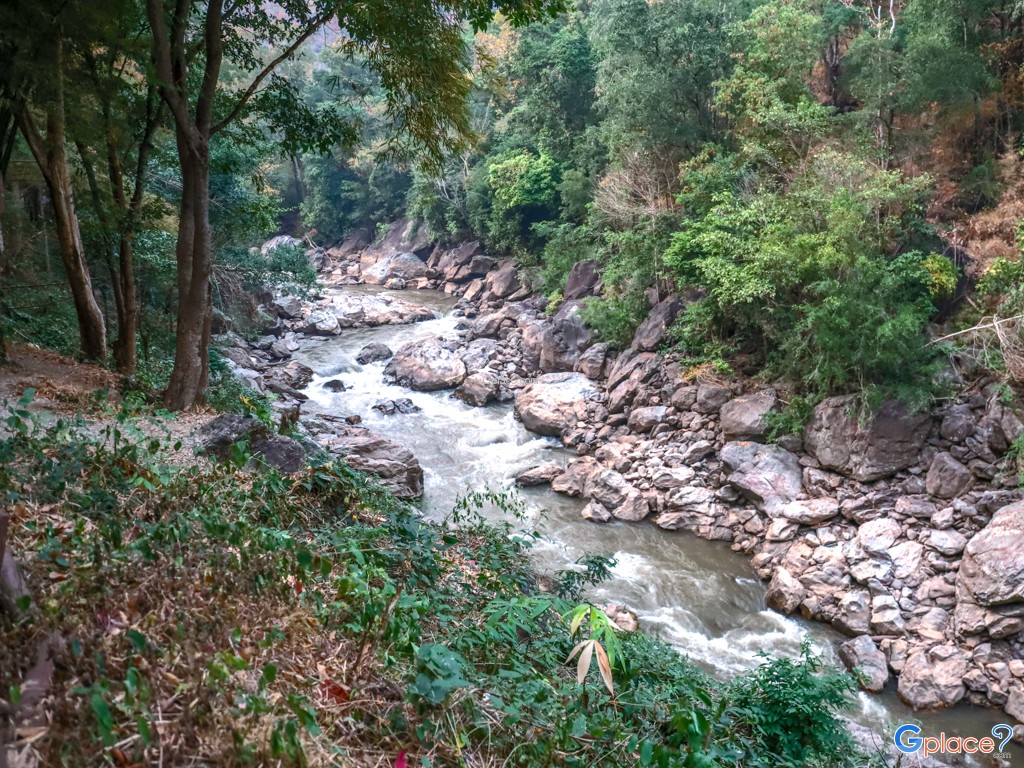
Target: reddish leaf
335,691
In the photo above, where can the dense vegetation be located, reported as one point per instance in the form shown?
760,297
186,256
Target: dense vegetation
239,617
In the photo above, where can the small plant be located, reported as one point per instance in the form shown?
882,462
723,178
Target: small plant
600,641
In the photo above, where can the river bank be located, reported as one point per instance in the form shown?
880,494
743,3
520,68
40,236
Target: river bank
691,456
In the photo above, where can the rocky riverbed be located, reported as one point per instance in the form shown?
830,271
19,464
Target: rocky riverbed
903,531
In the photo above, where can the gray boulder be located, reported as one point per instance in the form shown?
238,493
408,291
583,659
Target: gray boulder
373,353
219,434
426,365
862,654
394,464
322,323
553,402
647,418
583,280
403,266
541,474
479,388
992,571
288,307
651,332
503,281
865,449
711,397
933,678
746,417
766,474
947,478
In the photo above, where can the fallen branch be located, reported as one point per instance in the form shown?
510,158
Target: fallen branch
992,324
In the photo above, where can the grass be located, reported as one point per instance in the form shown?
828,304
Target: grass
216,615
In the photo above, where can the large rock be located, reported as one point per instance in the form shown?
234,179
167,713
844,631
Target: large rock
402,266
288,307
583,280
322,323
768,475
574,479
880,445
217,436
503,281
647,418
426,365
355,310
553,402
992,571
479,388
373,353
282,453
651,332
281,241
947,478
807,511
933,678
862,654
611,490
396,466
785,592
564,339
542,474
746,417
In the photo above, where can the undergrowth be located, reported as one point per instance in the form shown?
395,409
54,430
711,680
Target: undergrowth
218,615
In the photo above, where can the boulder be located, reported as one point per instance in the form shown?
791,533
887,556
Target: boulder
958,424
876,537
710,398
651,332
785,592
992,570
595,512
863,655
391,407
765,474
542,474
320,322
373,353
933,678
479,388
583,280
396,466
746,417
426,365
948,542
217,436
807,511
503,281
947,478
478,354
354,310
553,402
865,449
853,615
647,418
281,241
574,479
335,385
564,339
282,453
288,307
403,266
592,362
622,617
611,490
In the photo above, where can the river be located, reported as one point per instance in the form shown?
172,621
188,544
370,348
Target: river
698,595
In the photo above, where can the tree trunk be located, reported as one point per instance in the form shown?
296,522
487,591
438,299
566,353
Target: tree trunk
51,155
195,293
128,308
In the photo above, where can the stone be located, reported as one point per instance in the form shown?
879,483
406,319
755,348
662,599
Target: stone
807,511
870,449
592,362
293,374
595,512
391,407
668,478
622,617
426,365
763,473
710,398
335,385
403,266
863,655
479,353
553,402
322,323
583,280
575,477
785,592
564,339
288,307
854,613
886,618
542,474
948,542
933,678
876,537
217,436
479,388
279,241
992,570
280,452
396,466
503,281
947,477
373,353
912,506
698,451
647,418
358,310
651,332
958,424
746,417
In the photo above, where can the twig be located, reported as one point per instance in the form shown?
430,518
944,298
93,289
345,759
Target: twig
993,325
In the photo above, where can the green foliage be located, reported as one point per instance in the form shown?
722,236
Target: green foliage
270,599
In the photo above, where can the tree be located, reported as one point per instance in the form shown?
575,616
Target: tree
36,41
417,50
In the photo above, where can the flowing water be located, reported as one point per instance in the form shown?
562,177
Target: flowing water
700,596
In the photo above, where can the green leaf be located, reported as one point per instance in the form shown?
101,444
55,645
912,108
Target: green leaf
579,726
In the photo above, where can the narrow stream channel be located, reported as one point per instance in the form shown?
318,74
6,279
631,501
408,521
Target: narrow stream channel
698,595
